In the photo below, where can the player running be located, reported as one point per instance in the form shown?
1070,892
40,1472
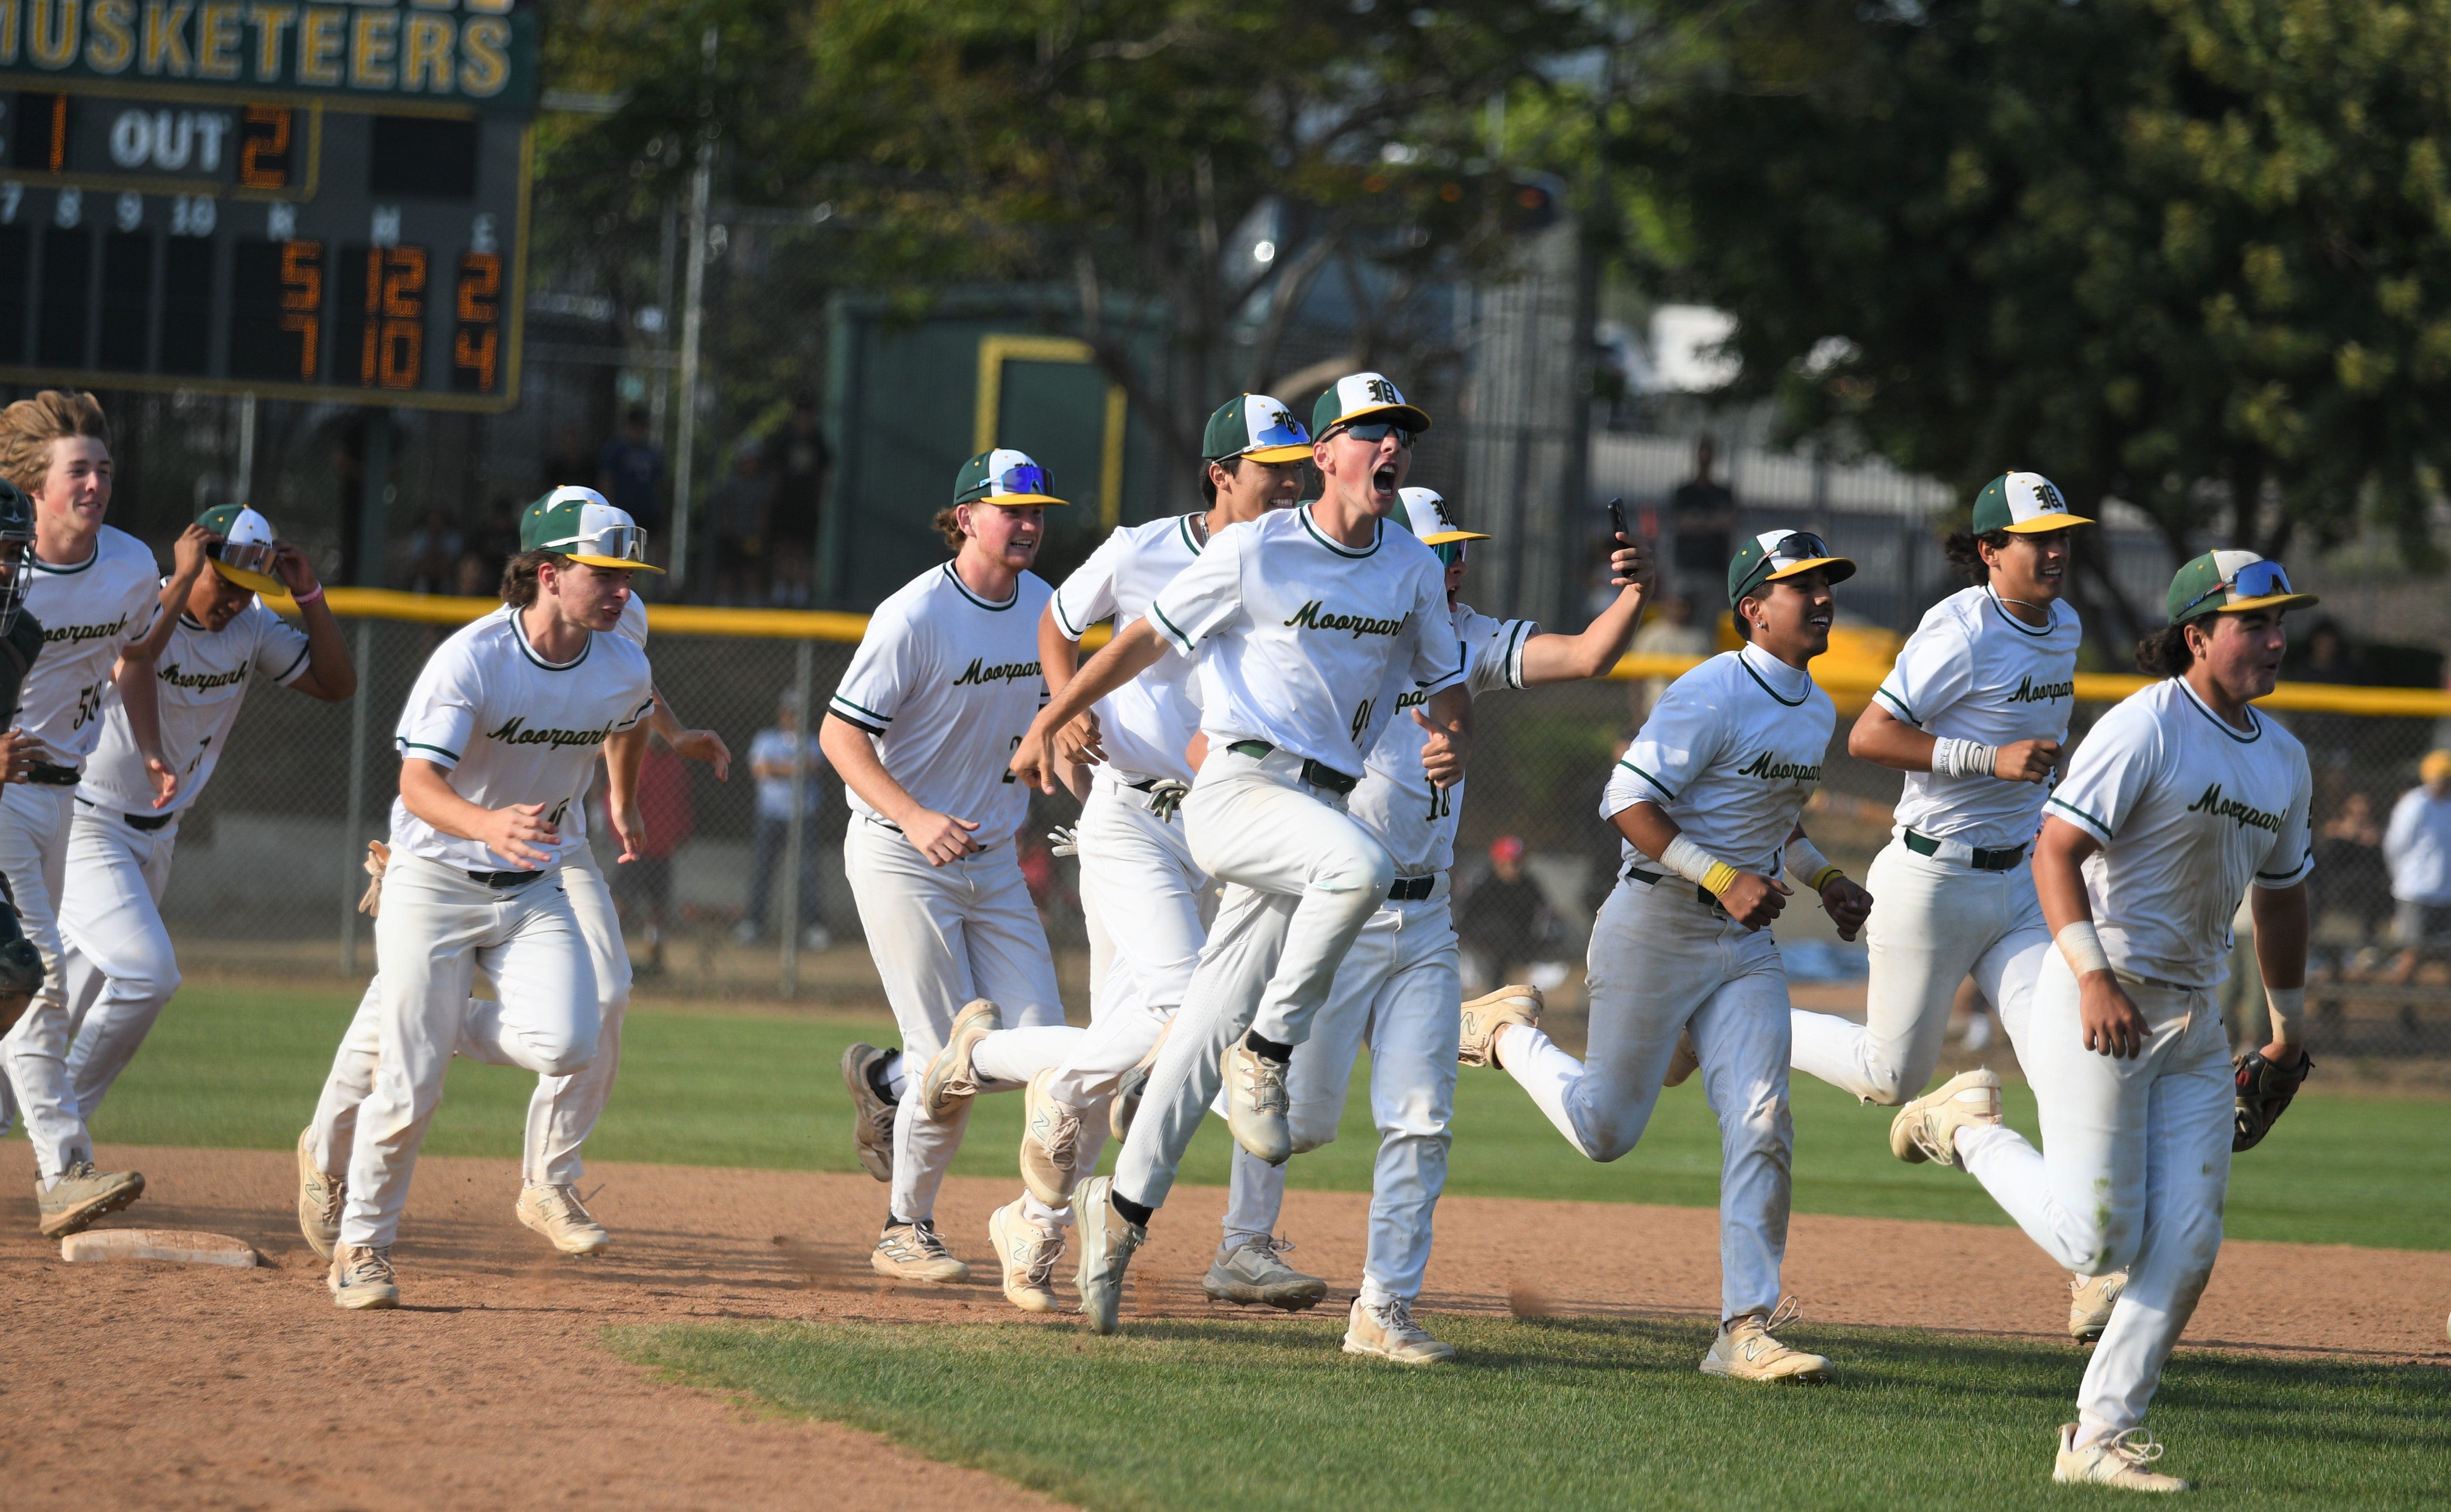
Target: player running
1398,986
94,591
1305,624
943,683
564,1109
2180,801
119,966
1707,798
1149,900
498,744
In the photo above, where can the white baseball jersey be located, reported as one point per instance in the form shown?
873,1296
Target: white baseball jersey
200,680
514,728
2189,810
634,629
1731,752
89,613
1305,643
1145,723
1973,671
1404,810
947,684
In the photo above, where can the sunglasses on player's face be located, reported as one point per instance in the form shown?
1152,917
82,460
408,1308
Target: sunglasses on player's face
1375,431
1449,552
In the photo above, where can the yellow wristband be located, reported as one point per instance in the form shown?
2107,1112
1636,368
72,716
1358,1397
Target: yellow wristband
1719,879
1823,877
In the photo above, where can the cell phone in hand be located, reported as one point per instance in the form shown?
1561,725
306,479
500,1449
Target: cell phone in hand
1617,519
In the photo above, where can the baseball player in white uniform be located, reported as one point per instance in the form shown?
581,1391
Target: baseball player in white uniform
564,1109
940,691
498,744
1720,770
1305,625
1148,901
97,595
2182,799
120,969
1398,986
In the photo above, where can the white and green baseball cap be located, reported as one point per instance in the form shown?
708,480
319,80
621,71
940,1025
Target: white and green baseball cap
1426,513
1006,478
1256,426
2231,582
1366,396
579,524
2022,504
245,555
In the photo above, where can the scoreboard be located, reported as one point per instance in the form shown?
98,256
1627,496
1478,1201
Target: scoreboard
321,201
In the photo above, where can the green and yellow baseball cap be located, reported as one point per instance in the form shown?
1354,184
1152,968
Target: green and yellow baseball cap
1006,478
2231,582
244,555
2022,504
1359,397
1424,511
1776,554
579,524
1256,426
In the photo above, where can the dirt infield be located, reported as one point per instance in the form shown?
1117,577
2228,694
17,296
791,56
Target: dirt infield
165,1385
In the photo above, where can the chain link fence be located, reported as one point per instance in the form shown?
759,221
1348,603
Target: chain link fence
267,876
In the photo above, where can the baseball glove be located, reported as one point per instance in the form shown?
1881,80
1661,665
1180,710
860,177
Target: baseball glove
378,858
2264,1094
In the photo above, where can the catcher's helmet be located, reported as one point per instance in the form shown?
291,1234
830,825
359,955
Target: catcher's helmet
16,552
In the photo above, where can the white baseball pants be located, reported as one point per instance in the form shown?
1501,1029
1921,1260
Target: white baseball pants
1662,962
941,937
1397,992
438,928
33,857
116,958
1934,923
563,1111
1302,880
2133,1172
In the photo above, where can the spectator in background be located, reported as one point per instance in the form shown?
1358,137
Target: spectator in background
1703,510
642,887
630,472
1507,920
770,758
740,506
2418,847
801,459
434,554
1671,632
2353,879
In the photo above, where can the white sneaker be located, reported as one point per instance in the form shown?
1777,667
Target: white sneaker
2125,1461
319,1196
362,1277
1927,1128
1255,1103
1107,1240
951,1079
1050,1143
2091,1301
1481,1018
1747,1351
1251,1273
557,1214
912,1252
1388,1331
1027,1252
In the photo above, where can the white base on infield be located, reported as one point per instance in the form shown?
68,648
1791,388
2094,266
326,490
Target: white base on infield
156,1244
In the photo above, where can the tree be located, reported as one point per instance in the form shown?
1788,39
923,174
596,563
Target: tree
2191,255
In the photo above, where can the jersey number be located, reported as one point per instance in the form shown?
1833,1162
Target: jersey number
1441,802
88,703
1361,719
1009,751
198,759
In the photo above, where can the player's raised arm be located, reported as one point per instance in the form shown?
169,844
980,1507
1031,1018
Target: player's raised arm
330,674
1551,658
1123,658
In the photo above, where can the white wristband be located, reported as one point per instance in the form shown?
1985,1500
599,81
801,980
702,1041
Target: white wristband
1806,863
2082,948
1697,865
1962,758
2288,1006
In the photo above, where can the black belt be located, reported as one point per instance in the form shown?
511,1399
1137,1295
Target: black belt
501,880
1982,860
51,776
1312,773
1412,888
148,822
1701,894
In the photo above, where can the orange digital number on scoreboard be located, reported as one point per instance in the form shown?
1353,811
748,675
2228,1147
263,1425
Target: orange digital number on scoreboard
477,337
391,350
302,300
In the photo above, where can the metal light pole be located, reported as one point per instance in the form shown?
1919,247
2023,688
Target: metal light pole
693,321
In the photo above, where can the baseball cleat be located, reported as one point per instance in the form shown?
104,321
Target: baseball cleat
1129,1088
912,1252
1255,1103
1748,1350
1050,1145
362,1277
1251,1272
1107,1240
2124,1461
951,1079
2090,1299
555,1212
81,1194
1388,1331
872,1115
1927,1128
1027,1252
1477,1045
319,1196
1685,1061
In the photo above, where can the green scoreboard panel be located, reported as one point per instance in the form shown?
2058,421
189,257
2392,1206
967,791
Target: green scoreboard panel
324,202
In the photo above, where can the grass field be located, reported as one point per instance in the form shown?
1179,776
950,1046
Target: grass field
229,1068
1560,1413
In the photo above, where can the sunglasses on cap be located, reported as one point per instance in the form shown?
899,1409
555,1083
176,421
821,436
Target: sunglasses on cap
2257,579
620,542
1282,433
1797,545
253,556
1375,431
1025,479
